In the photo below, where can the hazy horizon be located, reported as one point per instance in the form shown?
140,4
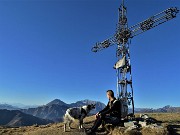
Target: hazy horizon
35,105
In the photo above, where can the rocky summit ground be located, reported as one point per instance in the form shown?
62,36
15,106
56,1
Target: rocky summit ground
170,126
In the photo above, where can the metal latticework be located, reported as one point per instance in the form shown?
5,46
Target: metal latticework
123,65
121,39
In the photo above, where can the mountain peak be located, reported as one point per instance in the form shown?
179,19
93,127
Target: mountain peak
57,102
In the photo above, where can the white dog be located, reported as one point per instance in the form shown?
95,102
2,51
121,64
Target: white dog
76,113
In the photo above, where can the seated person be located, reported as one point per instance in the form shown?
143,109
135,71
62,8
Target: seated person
110,114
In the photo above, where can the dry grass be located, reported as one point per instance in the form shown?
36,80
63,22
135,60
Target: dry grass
50,129
122,131
57,129
141,131
165,117
155,131
168,119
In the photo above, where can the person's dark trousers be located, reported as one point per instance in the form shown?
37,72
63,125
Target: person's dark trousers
97,123
106,119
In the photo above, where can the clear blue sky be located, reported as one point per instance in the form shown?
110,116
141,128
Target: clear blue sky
45,52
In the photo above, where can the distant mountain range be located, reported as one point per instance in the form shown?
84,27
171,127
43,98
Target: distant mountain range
165,109
54,111
51,112
16,106
15,118
8,107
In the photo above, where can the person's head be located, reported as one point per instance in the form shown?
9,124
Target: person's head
110,94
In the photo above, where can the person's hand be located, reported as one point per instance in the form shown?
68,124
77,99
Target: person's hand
97,115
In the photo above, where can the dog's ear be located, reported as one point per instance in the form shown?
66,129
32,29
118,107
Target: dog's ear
93,105
89,107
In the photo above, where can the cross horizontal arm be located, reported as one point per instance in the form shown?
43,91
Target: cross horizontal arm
153,21
104,44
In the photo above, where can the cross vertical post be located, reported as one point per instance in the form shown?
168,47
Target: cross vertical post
123,65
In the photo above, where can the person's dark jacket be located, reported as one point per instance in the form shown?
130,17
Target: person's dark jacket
113,108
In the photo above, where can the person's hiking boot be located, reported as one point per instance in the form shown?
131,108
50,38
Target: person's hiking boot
90,132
